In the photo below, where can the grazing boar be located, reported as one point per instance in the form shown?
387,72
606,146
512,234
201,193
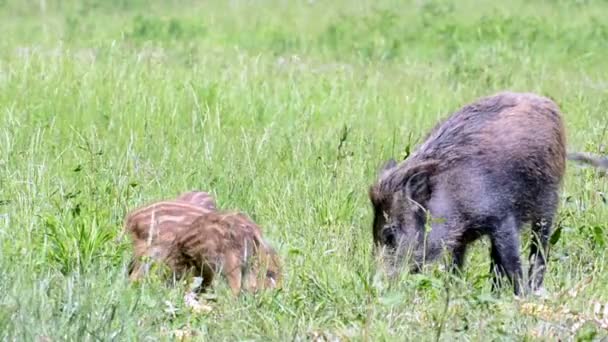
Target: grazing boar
229,243
486,170
152,226
199,198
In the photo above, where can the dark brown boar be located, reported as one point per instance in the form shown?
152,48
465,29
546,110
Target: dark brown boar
486,170
228,243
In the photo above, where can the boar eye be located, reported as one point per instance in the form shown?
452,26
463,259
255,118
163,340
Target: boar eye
270,274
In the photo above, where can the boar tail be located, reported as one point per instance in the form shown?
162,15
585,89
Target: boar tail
595,161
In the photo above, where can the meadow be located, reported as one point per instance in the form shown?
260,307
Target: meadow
284,110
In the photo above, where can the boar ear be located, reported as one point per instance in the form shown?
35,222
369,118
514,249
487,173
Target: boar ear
389,164
372,193
418,185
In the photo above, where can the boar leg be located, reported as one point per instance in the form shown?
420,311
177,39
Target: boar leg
458,256
496,272
207,274
133,265
539,249
541,232
505,253
234,272
135,270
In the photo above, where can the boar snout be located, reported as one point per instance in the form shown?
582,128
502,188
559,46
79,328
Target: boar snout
389,236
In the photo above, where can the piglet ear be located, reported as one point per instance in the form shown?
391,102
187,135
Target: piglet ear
418,185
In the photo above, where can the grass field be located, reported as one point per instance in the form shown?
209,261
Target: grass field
285,110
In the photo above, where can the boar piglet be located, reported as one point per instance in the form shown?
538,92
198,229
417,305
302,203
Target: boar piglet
153,226
486,170
228,243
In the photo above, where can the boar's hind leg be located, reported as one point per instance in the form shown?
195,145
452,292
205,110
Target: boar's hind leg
136,270
539,247
458,256
505,253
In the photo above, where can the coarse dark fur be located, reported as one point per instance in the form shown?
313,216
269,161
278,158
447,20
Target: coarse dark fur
486,170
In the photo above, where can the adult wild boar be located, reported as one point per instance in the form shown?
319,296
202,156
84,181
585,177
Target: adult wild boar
486,170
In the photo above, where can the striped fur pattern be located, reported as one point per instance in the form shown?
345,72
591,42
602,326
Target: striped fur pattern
228,243
189,235
155,225
180,211
145,223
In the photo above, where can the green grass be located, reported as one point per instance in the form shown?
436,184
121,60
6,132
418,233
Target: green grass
106,105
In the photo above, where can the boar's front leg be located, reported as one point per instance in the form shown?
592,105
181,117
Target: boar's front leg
233,269
505,253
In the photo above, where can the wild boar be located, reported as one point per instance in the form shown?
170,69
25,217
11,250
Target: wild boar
488,169
179,231
228,243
